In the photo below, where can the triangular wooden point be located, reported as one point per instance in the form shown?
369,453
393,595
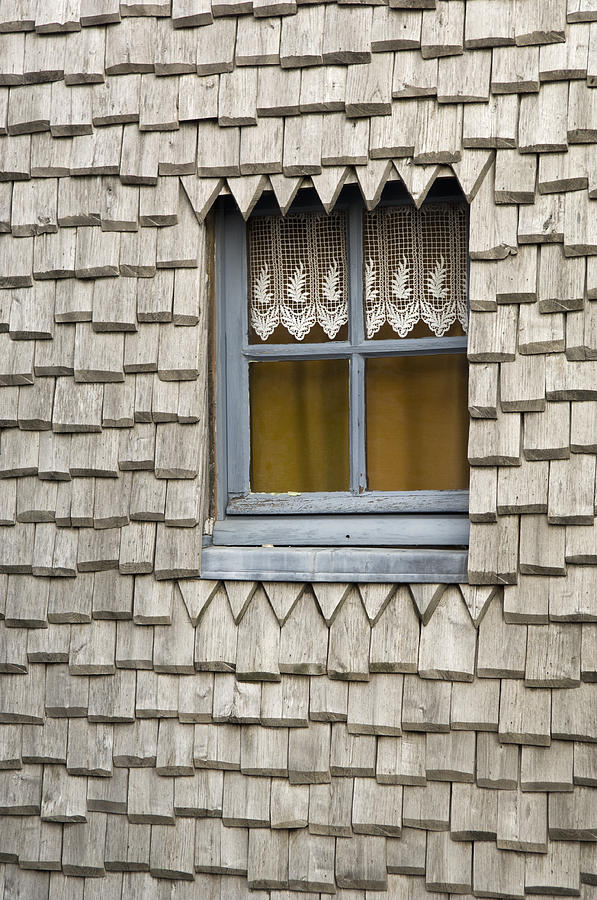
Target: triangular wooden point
239,594
472,169
329,184
372,179
246,190
417,179
426,597
202,193
283,596
285,187
329,598
375,598
197,595
477,599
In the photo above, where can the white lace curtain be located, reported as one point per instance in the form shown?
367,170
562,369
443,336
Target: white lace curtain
298,274
414,269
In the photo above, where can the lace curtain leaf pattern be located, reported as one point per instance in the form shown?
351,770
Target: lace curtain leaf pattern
297,274
415,268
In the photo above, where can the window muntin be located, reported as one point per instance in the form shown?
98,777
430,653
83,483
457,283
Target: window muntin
243,494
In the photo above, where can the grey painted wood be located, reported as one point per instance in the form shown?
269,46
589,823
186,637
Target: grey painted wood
412,530
371,501
233,282
369,348
336,565
358,465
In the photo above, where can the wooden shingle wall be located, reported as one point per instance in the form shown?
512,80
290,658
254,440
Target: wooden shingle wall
166,738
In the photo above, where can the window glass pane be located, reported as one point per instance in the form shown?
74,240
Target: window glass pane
298,286
414,271
299,425
417,422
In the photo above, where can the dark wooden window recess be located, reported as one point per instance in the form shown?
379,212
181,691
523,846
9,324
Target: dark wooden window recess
341,390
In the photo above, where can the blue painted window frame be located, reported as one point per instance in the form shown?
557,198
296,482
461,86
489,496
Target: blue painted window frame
267,530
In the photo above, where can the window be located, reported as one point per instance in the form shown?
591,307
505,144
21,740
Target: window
341,387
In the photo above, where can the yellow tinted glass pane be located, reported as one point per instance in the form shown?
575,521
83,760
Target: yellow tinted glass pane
417,423
299,425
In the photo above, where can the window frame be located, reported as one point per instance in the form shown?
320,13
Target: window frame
373,519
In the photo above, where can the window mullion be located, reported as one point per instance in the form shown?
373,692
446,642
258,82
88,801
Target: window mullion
234,279
355,275
358,472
